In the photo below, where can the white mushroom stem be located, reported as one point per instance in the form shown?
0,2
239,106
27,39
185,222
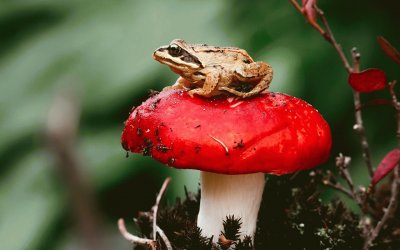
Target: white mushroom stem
223,195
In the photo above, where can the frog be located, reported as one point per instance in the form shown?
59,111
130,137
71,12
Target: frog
211,71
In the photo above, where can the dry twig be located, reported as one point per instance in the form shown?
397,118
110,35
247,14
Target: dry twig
164,238
155,207
134,239
156,229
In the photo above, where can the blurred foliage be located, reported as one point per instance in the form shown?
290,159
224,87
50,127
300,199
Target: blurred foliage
102,50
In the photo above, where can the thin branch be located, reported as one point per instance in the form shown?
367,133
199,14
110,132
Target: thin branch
393,202
297,6
359,126
164,238
389,211
310,21
328,35
356,57
155,207
339,187
134,239
396,105
152,243
370,236
342,162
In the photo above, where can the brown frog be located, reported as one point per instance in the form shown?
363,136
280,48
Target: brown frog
210,71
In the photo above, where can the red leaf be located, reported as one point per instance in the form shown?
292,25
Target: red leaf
309,10
368,80
391,51
388,163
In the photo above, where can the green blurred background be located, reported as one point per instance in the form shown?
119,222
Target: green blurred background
101,51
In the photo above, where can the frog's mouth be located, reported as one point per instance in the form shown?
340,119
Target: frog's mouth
175,70
177,64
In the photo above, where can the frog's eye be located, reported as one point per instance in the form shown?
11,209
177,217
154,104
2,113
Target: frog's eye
174,50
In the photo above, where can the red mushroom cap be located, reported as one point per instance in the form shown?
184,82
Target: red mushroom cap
271,133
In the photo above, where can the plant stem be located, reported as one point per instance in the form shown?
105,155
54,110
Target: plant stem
393,202
155,207
156,229
396,105
359,126
134,239
328,35
389,211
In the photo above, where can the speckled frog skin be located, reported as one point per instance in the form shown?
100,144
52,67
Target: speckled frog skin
210,71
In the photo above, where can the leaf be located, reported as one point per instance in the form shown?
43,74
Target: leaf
309,10
368,80
390,51
388,163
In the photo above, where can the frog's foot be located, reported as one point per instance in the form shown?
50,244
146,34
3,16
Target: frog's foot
174,87
200,92
238,93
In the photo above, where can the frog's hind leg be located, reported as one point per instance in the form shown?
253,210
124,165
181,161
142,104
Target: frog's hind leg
262,85
233,91
209,87
256,70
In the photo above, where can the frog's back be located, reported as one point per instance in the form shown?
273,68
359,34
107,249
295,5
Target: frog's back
222,55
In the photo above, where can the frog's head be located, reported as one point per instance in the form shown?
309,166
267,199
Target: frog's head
179,56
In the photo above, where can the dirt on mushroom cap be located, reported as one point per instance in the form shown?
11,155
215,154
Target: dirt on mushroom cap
271,133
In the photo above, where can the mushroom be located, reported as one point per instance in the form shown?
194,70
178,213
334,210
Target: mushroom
233,142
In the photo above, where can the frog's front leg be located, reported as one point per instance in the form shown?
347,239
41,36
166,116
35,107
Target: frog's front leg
259,72
181,83
209,86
